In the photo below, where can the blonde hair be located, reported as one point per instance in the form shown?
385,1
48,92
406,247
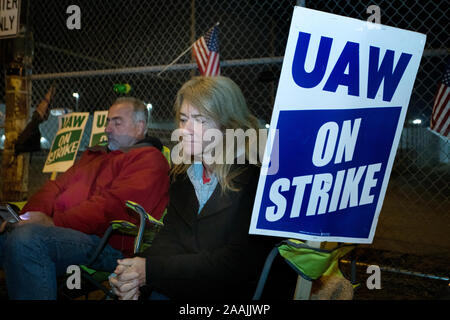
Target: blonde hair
220,99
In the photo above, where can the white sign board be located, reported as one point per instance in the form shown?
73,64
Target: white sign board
98,134
339,111
9,18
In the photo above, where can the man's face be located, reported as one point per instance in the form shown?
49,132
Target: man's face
121,129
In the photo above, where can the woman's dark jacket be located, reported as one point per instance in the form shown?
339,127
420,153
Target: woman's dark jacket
209,255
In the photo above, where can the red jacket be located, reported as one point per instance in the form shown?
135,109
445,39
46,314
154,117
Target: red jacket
94,190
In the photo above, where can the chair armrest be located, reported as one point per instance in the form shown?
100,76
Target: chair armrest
101,246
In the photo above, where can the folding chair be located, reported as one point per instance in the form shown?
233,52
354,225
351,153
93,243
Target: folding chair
143,237
310,263
144,234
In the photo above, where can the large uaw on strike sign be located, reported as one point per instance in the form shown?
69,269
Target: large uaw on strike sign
341,103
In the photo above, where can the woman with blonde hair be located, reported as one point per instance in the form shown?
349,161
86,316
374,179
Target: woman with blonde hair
204,250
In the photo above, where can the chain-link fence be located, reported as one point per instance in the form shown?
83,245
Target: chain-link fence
132,41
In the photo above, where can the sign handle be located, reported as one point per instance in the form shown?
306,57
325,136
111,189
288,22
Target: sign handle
53,176
303,287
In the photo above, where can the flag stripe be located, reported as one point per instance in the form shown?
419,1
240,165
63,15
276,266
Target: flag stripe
446,127
441,108
447,131
201,54
438,102
206,53
440,121
442,117
443,126
203,51
438,94
212,64
198,55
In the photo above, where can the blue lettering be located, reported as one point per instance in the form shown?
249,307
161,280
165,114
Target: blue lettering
391,79
349,57
310,79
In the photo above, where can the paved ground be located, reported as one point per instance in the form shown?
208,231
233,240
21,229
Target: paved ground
412,234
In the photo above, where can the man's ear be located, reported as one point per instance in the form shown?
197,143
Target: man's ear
141,127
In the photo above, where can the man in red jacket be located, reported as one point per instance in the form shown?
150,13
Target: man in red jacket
64,221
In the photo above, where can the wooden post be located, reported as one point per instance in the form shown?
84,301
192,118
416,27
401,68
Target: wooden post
14,173
303,288
14,169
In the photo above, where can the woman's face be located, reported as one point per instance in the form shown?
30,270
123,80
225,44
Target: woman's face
194,126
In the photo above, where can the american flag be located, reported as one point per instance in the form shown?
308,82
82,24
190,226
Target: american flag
206,53
440,117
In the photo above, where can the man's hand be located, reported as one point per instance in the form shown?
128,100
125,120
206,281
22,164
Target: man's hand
130,276
35,217
30,217
42,108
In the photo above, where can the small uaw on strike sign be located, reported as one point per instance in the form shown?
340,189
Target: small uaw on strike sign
66,142
340,106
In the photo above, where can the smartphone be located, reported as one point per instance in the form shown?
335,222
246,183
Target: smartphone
9,213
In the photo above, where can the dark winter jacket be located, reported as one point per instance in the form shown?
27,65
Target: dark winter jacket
94,190
208,255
